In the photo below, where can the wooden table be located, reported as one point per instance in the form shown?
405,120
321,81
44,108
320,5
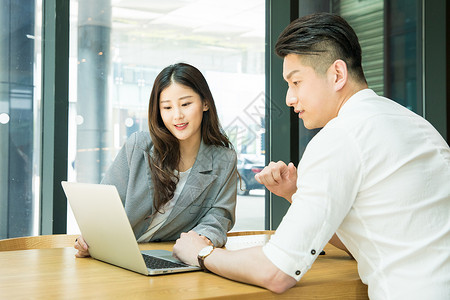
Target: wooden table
57,274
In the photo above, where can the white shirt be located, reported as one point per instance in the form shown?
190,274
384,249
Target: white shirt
160,218
379,176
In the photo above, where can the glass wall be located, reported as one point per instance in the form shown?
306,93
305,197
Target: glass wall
389,33
367,19
390,38
404,51
20,81
118,47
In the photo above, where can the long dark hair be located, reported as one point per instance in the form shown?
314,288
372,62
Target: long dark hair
166,148
321,39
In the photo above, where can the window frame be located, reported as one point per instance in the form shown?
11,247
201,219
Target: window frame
55,107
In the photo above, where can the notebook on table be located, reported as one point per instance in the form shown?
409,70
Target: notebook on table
105,227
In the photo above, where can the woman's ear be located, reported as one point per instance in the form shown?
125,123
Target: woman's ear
205,106
340,74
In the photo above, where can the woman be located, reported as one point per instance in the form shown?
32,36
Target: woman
182,175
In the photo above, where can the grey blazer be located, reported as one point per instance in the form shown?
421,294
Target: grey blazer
206,203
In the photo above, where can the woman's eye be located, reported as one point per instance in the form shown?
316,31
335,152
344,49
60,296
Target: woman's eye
166,107
186,104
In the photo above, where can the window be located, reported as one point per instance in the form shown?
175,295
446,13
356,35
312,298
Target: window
20,82
117,51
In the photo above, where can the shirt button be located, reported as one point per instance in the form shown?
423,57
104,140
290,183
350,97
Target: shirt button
297,272
313,251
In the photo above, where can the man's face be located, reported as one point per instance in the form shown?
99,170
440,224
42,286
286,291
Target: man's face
311,95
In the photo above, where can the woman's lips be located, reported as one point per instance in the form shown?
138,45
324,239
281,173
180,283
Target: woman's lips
181,126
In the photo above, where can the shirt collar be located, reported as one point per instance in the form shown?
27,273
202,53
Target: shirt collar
358,96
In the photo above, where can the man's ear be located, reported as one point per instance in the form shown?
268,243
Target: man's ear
340,74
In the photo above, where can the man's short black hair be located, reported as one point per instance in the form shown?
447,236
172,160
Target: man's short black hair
321,39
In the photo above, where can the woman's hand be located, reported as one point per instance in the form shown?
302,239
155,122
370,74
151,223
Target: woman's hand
188,246
206,240
82,247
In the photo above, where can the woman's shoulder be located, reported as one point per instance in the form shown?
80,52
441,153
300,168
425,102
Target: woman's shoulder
140,139
222,152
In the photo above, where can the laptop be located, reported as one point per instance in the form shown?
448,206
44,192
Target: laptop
105,227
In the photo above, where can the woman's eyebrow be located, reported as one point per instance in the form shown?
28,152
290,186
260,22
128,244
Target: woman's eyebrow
181,98
185,97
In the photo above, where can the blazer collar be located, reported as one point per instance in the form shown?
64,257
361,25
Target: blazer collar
203,162
198,180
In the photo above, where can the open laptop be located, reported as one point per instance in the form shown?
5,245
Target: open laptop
105,227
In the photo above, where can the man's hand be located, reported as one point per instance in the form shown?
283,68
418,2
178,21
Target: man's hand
279,178
188,246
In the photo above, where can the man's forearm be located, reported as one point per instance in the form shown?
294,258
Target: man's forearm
249,266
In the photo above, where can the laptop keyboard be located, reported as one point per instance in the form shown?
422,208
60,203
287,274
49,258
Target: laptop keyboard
159,263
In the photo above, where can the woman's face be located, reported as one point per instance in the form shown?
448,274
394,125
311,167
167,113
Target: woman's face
182,110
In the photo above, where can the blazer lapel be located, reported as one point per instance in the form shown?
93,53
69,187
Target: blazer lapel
150,179
198,180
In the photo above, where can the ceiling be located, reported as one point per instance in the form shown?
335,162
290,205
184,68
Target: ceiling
210,22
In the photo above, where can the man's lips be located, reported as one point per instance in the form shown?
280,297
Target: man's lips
299,112
181,126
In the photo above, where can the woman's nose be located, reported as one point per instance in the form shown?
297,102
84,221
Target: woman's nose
178,113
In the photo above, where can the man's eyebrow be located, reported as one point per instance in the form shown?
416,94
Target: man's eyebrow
291,73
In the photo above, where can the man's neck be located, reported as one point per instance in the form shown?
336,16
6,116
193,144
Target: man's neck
349,90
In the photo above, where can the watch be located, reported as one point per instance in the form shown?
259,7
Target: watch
204,253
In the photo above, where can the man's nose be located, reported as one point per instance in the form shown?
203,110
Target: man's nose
290,98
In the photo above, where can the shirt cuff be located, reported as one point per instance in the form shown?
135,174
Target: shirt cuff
284,262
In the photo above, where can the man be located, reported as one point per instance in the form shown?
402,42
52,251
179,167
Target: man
376,174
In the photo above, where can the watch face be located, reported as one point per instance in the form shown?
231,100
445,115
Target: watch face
205,251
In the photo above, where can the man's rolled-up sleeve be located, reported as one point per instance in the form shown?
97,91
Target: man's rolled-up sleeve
329,176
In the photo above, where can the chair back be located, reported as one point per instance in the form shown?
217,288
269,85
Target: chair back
38,242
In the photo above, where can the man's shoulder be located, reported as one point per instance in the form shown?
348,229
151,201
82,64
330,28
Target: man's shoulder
367,103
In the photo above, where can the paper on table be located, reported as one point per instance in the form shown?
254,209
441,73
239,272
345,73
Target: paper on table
246,241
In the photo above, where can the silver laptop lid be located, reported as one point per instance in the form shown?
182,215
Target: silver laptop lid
104,224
